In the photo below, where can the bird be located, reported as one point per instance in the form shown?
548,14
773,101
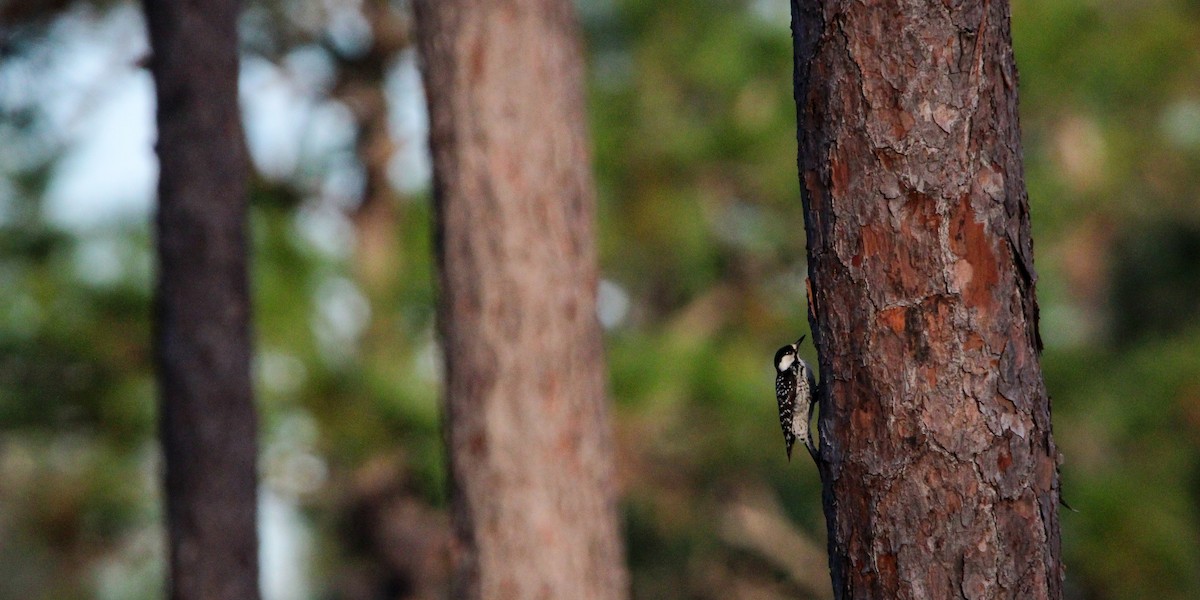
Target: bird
795,389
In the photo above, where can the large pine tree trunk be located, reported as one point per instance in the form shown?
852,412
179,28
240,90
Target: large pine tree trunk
527,425
938,463
202,337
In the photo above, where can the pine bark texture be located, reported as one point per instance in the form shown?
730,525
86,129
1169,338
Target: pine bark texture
202,306
527,430
939,469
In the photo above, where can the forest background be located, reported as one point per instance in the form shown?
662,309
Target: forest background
702,256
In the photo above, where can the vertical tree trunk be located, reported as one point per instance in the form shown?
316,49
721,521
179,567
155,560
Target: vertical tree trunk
527,426
202,337
938,463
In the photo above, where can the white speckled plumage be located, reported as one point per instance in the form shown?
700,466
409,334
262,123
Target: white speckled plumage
795,387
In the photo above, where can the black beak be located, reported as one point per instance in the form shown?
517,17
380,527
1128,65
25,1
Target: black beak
800,340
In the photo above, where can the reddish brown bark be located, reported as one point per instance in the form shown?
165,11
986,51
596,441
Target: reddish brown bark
938,462
527,425
202,305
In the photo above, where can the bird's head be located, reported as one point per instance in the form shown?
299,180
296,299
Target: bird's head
785,357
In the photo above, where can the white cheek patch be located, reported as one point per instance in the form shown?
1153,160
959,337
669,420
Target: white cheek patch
786,362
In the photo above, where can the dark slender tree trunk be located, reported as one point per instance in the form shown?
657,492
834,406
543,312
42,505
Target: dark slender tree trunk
527,424
202,310
938,466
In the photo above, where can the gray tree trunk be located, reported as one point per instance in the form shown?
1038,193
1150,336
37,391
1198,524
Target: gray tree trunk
939,468
202,307
527,429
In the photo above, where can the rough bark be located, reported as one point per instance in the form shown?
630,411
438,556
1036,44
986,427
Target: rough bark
202,310
939,468
527,427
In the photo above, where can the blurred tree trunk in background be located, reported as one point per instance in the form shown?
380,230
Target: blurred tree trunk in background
938,462
528,435
202,338
361,77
